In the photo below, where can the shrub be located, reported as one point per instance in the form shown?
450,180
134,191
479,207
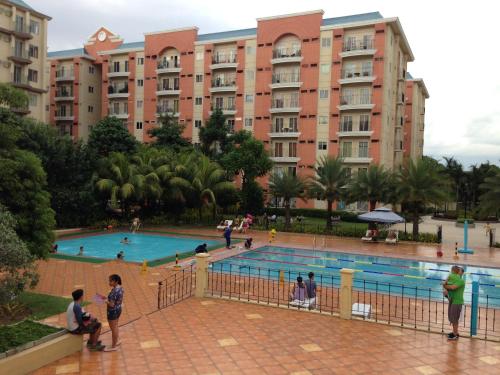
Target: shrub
462,220
350,217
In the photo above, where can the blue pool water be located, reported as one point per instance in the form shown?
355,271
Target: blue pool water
142,246
382,274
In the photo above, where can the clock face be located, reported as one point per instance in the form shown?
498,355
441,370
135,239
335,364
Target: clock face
101,36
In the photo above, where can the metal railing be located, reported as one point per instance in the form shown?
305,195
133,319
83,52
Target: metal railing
223,107
224,81
350,73
64,93
286,102
20,53
347,126
113,111
61,113
358,44
282,129
165,64
20,79
284,52
291,77
118,89
111,69
163,86
176,287
64,73
167,108
224,58
355,99
21,27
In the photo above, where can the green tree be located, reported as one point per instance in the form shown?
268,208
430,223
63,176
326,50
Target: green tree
372,185
420,185
287,186
455,172
252,198
214,134
169,134
490,200
17,265
329,183
12,97
109,135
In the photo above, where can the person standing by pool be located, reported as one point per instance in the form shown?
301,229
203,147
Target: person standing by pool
311,289
227,236
114,309
455,286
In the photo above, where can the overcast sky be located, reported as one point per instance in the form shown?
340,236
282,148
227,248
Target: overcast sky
456,48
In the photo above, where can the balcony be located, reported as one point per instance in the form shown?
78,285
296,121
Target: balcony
167,89
20,55
284,105
226,108
118,91
224,60
224,84
64,95
61,115
116,112
358,47
286,55
164,67
355,101
277,131
285,80
343,132
285,159
356,76
22,31
20,110
118,72
170,109
65,75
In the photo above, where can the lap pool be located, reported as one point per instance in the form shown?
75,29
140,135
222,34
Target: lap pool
381,274
141,247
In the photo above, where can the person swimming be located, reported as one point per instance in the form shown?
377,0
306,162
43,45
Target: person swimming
120,255
80,252
125,241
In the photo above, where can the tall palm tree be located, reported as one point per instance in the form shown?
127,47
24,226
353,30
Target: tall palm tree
421,184
372,185
148,162
490,199
329,183
287,186
455,171
118,178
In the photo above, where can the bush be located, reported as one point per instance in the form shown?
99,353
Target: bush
23,333
462,220
350,217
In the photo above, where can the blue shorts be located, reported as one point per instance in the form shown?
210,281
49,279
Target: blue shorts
114,314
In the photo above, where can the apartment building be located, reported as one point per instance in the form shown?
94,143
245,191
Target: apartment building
23,48
414,126
305,85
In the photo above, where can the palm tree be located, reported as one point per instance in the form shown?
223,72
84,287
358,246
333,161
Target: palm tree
148,163
287,186
490,199
454,170
421,184
372,185
329,183
119,180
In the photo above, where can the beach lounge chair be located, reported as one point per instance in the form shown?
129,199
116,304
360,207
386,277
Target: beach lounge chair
368,236
392,237
226,224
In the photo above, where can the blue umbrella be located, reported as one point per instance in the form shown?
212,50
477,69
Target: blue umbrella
381,215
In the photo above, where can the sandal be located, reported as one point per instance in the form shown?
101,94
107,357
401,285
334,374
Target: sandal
111,349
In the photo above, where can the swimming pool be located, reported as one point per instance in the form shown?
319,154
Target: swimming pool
397,276
142,246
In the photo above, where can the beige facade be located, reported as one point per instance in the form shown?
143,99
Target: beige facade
23,63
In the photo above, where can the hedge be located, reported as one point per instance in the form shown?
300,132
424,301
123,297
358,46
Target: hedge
348,216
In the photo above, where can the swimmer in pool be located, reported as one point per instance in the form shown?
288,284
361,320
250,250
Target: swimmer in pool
125,241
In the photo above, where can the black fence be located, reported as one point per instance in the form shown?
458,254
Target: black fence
176,287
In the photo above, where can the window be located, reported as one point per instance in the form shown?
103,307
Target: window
249,98
346,124
325,68
140,103
292,149
292,171
90,109
198,100
34,27
292,124
33,51
323,120
348,172
326,42
140,61
91,89
248,121
362,170
116,66
197,123
138,125
140,82
278,149
32,75
91,70
323,94
126,66
364,123
249,74
33,100
199,78
199,55
278,124
346,150
250,50
363,149
322,145
230,124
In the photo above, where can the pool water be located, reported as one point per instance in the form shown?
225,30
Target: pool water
382,274
141,247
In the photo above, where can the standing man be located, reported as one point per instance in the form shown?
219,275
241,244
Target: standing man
455,286
227,236
311,290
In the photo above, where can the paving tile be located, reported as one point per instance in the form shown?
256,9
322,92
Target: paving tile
253,316
207,303
311,347
227,342
153,284
427,370
79,286
394,332
69,368
489,360
496,347
150,344
306,372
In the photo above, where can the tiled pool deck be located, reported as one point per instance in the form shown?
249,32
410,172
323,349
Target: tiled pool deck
212,336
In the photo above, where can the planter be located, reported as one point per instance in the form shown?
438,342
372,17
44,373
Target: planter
36,354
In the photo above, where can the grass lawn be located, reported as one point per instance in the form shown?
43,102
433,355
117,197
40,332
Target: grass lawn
22,333
43,305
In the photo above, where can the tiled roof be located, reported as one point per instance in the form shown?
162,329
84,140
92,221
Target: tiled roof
131,45
67,53
408,76
21,3
227,34
352,18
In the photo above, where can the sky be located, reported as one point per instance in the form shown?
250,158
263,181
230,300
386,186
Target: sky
455,43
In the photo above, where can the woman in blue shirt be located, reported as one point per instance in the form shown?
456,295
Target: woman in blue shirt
114,309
